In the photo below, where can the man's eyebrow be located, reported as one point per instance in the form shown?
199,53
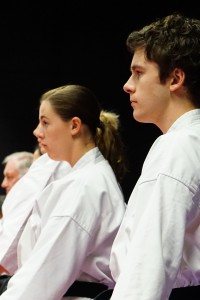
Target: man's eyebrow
135,66
43,117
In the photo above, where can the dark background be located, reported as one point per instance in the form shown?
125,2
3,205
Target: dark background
44,45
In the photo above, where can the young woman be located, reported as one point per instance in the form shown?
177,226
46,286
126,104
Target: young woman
65,247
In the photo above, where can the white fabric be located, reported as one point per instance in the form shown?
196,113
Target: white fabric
70,232
75,298
158,244
19,203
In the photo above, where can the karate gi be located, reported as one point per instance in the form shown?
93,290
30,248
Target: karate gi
157,247
70,233
19,202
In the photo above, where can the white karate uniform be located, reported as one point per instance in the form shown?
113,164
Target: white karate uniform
70,232
157,247
19,202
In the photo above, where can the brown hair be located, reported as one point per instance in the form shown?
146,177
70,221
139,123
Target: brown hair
73,100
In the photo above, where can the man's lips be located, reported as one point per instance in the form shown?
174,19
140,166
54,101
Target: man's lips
133,103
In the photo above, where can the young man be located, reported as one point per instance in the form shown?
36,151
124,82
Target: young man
156,254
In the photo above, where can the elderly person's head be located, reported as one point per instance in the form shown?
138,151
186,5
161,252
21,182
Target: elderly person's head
16,165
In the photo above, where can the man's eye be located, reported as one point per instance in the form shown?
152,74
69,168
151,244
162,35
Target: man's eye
138,73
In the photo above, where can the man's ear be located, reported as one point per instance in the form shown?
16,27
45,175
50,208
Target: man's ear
75,125
177,79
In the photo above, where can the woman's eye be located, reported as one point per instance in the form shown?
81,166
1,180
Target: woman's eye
44,123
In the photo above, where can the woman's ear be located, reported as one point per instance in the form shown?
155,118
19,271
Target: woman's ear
177,79
75,125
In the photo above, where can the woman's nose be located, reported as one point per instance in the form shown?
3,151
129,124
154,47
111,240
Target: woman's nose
36,131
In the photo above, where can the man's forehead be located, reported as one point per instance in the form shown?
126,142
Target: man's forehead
10,166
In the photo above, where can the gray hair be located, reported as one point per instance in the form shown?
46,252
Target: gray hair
22,160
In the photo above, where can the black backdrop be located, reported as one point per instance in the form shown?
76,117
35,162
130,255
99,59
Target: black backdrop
45,44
